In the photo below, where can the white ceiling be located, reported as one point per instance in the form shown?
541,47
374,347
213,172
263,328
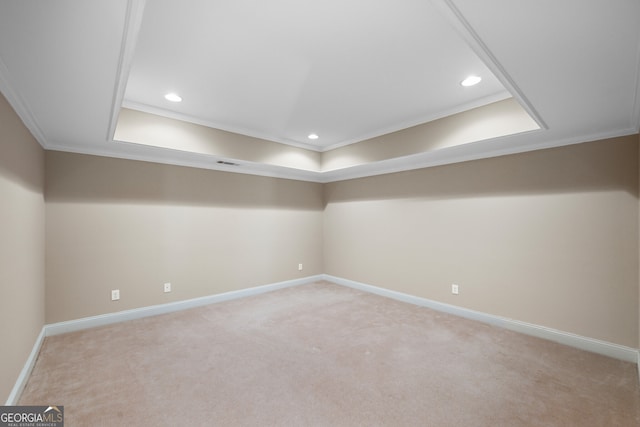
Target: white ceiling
346,70
282,69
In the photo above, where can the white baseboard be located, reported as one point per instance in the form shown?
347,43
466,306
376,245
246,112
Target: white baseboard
138,313
21,382
584,343
121,316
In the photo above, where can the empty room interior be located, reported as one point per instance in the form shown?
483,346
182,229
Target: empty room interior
321,213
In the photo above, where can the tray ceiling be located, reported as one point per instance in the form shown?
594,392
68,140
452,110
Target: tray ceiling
257,78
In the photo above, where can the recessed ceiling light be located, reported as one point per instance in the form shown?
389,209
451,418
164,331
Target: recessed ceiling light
470,81
313,136
173,97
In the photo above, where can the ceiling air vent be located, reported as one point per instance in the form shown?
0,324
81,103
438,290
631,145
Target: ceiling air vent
222,162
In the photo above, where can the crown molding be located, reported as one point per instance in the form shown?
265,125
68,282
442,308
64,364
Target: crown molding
635,114
145,108
19,105
133,22
464,28
481,102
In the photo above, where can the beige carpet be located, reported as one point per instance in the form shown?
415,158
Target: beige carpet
325,355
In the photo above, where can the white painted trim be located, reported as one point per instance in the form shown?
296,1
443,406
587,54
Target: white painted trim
20,106
21,382
133,23
107,319
146,108
459,22
481,102
139,313
635,114
168,156
584,343
458,154
443,156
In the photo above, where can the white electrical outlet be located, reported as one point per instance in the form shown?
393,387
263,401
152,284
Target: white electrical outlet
115,294
167,287
454,289
299,267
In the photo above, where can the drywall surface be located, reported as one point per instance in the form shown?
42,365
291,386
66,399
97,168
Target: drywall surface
133,226
548,237
500,118
22,262
150,129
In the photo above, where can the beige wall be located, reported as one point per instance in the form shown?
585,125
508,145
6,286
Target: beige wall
500,118
22,210
505,117
149,129
548,237
129,225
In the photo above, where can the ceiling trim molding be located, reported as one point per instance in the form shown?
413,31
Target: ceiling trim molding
460,153
145,108
20,106
169,156
445,156
131,30
464,28
500,96
635,111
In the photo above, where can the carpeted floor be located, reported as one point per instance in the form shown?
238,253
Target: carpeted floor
325,355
